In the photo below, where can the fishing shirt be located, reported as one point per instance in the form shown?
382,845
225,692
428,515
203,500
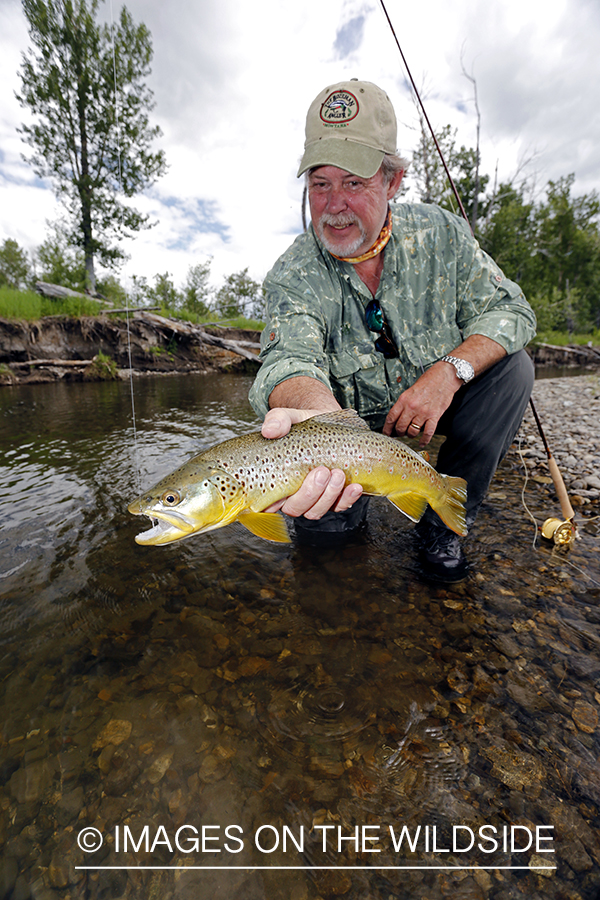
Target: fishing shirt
437,288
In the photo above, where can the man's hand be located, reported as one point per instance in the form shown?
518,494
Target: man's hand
418,410
322,489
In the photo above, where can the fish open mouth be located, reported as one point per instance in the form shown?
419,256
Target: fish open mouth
164,530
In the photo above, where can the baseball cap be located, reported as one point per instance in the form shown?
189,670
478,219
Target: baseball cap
351,125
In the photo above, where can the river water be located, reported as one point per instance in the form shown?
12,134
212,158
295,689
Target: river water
275,721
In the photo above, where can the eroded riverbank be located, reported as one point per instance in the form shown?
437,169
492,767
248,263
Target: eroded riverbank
61,348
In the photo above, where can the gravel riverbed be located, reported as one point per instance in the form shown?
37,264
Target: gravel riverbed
231,683
569,410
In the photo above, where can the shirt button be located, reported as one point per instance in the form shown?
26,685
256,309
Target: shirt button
272,336
399,379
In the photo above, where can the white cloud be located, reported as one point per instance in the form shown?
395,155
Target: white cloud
232,82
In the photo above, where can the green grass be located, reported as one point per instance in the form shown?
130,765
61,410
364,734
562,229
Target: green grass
29,305
210,319
238,322
563,338
19,304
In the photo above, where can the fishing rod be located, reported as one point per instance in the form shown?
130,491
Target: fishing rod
562,532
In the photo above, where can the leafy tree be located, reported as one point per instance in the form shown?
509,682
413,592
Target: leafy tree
508,232
469,183
84,83
431,178
59,262
568,237
111,288
427,169
141,292
552,249
14,264
164,292
239,295
196,290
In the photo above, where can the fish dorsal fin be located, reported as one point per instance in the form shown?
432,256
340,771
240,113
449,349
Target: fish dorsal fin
348,417
270,526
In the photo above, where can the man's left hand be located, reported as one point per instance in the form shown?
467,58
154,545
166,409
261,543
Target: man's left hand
418,410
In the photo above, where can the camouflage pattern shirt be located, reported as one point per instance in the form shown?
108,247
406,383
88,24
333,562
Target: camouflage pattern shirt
437,288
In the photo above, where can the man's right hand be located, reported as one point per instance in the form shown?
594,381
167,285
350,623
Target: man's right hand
322,489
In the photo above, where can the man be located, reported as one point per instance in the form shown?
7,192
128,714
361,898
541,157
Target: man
395,312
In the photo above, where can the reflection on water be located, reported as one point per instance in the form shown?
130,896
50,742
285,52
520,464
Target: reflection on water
301,706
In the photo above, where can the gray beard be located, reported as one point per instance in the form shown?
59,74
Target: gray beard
343,250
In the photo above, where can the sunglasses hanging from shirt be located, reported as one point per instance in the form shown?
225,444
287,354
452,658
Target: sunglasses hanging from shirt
375,320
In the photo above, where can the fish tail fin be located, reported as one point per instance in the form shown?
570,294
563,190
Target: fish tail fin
451,506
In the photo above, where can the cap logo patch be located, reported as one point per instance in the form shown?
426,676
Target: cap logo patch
339,108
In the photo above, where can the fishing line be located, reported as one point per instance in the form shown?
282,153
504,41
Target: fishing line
120,181
556,555
525,483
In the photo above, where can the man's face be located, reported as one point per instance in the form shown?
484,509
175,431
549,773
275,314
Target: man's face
348,211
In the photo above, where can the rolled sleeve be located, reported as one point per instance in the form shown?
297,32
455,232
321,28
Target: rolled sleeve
291,346
494,306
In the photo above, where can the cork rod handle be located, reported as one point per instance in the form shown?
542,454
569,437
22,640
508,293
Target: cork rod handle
561,491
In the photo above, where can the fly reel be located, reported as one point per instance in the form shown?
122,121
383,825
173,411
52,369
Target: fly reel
563,533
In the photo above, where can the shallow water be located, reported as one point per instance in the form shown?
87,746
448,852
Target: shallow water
223,707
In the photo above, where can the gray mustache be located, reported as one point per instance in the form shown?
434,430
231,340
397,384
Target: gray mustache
339,221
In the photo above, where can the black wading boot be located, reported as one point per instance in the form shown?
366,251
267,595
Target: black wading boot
440,553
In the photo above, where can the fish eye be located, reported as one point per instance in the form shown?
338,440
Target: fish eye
171,498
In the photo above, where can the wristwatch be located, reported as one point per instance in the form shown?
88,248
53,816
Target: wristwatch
464,369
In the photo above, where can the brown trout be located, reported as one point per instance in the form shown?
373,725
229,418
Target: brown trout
236,480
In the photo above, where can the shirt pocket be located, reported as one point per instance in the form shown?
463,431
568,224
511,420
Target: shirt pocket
358,380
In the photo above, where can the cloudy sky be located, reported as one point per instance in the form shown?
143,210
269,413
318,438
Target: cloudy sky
232,82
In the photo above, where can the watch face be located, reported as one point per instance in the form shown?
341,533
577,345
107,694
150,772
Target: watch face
465,370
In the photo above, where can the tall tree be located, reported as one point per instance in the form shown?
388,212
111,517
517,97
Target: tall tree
239,295
427,168
85,84
508,233
14,265
568,245
431,179
196,290
60,262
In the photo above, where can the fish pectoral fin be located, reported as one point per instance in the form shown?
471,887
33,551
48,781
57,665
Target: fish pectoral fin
411,504
270,526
